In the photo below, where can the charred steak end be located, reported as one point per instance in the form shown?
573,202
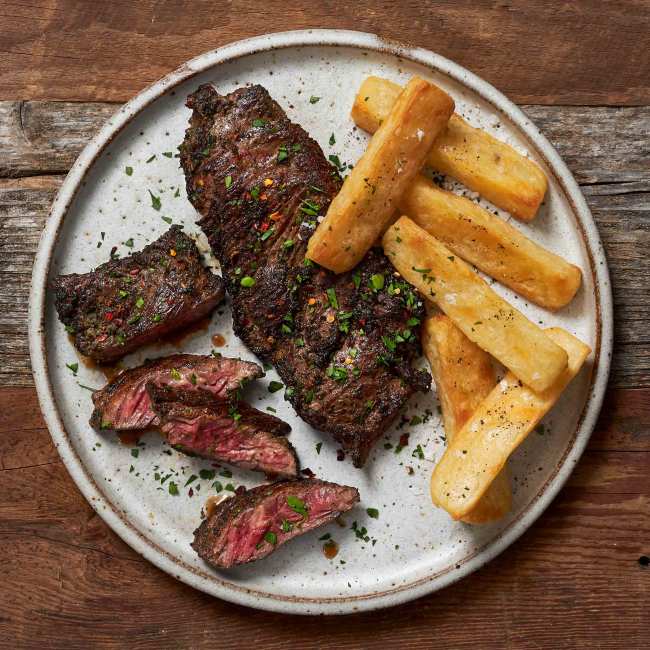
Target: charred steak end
127,303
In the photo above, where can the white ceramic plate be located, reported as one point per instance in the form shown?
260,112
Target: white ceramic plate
413,548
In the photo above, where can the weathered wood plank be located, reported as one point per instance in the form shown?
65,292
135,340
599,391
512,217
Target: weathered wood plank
583,52
623,218
73,582
46,137
600,144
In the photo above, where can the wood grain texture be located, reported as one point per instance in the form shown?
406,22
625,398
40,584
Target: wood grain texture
574,580
539,52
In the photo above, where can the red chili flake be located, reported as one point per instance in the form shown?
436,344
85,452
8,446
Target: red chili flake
340,454
265,226
101,337
404,440
109,315
307,472
134,271
362,322
190,492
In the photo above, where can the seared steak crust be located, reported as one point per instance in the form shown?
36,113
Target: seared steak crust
127,303
251,525
197,424
124,403
343,344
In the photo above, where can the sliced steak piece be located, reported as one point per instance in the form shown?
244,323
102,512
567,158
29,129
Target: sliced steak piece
251,525
232,432
124,403
343,344
127,303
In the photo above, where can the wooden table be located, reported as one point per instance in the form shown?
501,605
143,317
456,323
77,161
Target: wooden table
578,578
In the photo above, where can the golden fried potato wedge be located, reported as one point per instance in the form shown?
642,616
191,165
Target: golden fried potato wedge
491,244
368,199
483,316
464,377
484,164
478,452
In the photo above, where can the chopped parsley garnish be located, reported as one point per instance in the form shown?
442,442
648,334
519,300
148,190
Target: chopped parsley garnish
336,161
377,281
331,296
230,487
173,488
356,278
421,270
247,281
135,452
151,158
128,171
176,376
207,474
226,473
271,537
332,140
318,447
217,486
167,154
314,100
373,512
297,505
417,452
191,479
288,243
267,234
413,321
227,181
275,386
258,122
129,242
155,201
167,219
283,154
255,192
157,318
72,366
337,373
139,303
286,526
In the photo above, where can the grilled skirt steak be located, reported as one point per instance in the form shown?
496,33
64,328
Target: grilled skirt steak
343,344
251,525
232,432
124,403
124,304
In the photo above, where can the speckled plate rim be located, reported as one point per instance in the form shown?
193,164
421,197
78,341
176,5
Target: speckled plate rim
210,582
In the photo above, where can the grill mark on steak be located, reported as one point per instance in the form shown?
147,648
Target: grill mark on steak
259,182
197,424
251,525
127,303
124,403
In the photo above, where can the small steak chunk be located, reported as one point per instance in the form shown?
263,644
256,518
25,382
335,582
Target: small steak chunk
251,525
232,432
125,304
124,403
